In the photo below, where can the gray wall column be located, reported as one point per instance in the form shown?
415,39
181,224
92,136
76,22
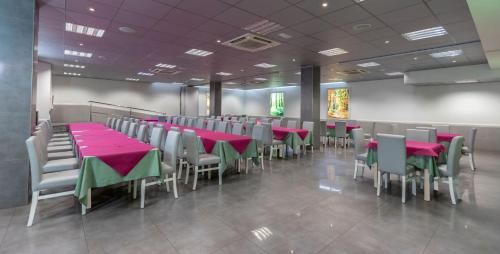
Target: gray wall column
310,98
17,31
215,98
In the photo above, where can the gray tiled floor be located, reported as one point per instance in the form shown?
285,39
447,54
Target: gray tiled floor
306,205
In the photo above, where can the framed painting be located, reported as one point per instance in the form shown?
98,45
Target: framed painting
338,103
277,104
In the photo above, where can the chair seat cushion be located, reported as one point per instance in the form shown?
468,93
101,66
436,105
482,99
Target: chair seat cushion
60,155
61,165
465,150
362,157
167,169
277,142
207,159
60,139
59,143
51,149
66,178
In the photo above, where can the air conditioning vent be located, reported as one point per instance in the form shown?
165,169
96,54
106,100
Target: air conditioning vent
352,72
164,71
251,43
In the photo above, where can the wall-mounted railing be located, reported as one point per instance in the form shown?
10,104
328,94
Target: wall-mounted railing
105,109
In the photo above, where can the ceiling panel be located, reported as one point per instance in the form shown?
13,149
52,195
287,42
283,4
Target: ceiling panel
290,16
312,26
205,8
147,8
237,17
262,7
346,16
316,8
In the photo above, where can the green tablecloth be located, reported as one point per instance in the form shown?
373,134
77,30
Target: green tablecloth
229,155
95,173
293,139
420,162
443,155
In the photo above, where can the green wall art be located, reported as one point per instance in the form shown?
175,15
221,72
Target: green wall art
277,104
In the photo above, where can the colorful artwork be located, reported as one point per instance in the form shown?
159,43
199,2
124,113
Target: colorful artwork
338,103
277,104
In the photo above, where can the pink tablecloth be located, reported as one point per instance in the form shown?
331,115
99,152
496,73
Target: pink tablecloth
446,137
349,127
111,147
210,138
417,148
280,132
86,126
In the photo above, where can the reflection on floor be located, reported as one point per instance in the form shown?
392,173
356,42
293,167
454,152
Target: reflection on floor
306,205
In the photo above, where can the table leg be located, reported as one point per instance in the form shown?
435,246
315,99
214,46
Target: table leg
89,198
427,185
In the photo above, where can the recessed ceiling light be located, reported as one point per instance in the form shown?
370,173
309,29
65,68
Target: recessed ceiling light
126,29
425,33
145,74
451,53
77,53
168,66
91,9
396,73
284,35
260,79
454,61
198,52
81,44
368,64
333,52
324,4
132,79
242,70
224,73
72,74
85,30
387,42
293,60
218,41
265,65
74,66
465,81
197,79
263,27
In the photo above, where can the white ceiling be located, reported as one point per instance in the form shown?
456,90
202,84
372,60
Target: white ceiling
165,29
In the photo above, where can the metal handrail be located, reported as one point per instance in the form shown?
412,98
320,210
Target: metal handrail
130,109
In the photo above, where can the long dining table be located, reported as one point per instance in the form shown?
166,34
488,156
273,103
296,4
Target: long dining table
229,147
109,157
421,155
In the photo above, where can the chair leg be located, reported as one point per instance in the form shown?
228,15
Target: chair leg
471,161
174,184
452,190
246,166
355,169
143,192
166,183
195,177
262,161
220,174
129,187
414,186
187,174
181,163
403,187
270,152
379,182
34,203
134,195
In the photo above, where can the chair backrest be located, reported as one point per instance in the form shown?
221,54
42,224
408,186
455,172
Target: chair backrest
170,149
352,122
34,155
182,121
168,119
291,124
442,128
454,154
432,133
391,153
156,137
162,118
258,134
218,117
252,119
359,141
307,125
191,143
210,125
108,122
267,136
113,123
124,128
418,135
118,124
340,129
200,123
141,133
190,122
132,130
322,128
471,140
237,129
265,120
249,128
276,123
223,126
175,120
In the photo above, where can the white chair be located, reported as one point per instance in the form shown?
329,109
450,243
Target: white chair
269,141
258,136
46,181
341,133
141,133
309,126
360,153
210,125
58,155
276,123
108,122
156,137
442,128
182,121
124,128
200,123
468,149
291,124
132,130
432,133
237,129
118,125
197,160
249,128
451,169
224,126
418,135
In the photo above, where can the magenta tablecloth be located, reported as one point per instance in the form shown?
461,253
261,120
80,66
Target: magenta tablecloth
86,126
417,148
446,137
349,127
280,132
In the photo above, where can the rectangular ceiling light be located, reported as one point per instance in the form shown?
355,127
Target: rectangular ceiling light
466,81
132,79
265,65
168,66
198,52
145,74
74,66
450,53
224,73
85,30
261,79
263,27
77,53
425,33
369,64
333,52
72,74
197,79
396,73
